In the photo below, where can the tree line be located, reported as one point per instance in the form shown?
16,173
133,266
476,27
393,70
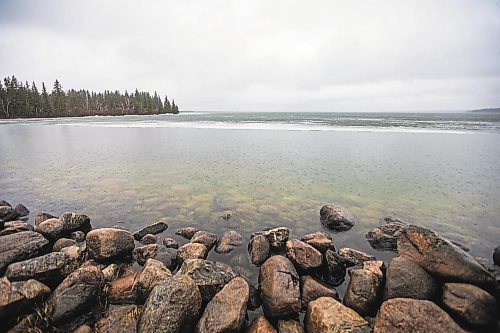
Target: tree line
22,100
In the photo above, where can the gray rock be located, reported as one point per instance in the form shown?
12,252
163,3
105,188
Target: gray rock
227,310
289,326
13,227
74,221
470,303
170,243
496,256
61,243
50,268
336,217
143,253
154,229
107,243
187,232
258,249
303,255
8,213
148,239
335,268
441,258
325,315
280,287
406,279
5,203
168,257
311,289
210,277
151,274
21,246
352,257
78,236
40,217
172,307
76,294
391,219
413,316
365,290
22,210
206,238
229,241
321,241
384,237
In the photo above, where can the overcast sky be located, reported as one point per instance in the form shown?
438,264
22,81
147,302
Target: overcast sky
264,55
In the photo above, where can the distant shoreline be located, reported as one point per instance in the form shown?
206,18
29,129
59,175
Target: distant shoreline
489,110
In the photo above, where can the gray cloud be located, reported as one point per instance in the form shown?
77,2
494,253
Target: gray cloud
264,55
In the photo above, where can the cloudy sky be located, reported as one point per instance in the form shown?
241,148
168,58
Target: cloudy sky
264,55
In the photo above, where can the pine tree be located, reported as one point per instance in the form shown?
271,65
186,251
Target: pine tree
166,105
46,102
59,99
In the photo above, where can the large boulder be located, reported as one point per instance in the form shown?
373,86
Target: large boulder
151,274
50,268
155,228
261,325
210,277
172,307
335,269
385,237
406,279
52,228
191,251
118,319
258,248
108,243
121,290
280,287
187,232
17,298
325,315
229,241
21,246
311,289
143,253
321,241
336,217
440,257
365,289
206,238
413,316
352,257
76,294
470,303
226,312
303,255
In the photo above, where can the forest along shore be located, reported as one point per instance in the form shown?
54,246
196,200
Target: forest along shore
62,275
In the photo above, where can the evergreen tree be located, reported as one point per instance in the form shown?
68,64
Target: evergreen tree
59,98
166,105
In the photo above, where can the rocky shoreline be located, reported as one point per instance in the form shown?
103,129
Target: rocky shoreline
63,275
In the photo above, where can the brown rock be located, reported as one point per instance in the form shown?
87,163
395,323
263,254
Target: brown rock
352,257
84,329
13,227
229,241
121,290
277,237
191,251
52,229
261,325
441,258
119,319
40,217
74,221
325,315
406,279
289,326
78,236
61,243
143,253
17,298
470,303
312,289
303,255
107,243
279,285
413,316
336,217
258,249
151,274
365,289
111,272
8,213
321,241
170,243
206,238
335,269
226,312
155,228
148,239
187,232
385,237
172,307
22,210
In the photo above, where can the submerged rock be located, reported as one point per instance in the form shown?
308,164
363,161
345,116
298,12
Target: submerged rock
326,315
76,294
279,286
155,228
352,257
191,251
21,246
335,269
210,277
321,241
172,307
229,241
227,310
406,279
143,253
441,258
470,303
170,243
413,316
336,217
187,232
303,255
261,325
148,239
107,243
385,237
151,274
206,238
365,289
258,248
311,289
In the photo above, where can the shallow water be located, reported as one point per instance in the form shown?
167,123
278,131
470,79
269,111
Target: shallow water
440,172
